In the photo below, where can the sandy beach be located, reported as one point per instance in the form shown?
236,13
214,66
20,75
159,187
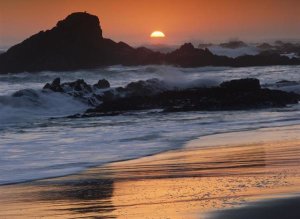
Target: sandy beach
208,175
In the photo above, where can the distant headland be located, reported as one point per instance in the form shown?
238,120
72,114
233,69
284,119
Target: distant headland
77,43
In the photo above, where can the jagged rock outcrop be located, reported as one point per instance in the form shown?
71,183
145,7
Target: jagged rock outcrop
233,95
247,84
74,43
54,86
78,89
189,56
103,83
77,43
240,94
264,59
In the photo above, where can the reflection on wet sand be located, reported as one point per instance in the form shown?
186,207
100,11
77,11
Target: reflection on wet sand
61,198
176,184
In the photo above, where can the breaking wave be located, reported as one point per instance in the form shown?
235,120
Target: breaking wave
33,145
28,104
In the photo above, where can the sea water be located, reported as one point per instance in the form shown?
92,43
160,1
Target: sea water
38,141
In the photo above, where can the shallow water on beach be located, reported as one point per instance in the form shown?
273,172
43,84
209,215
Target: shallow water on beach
37,141
189,183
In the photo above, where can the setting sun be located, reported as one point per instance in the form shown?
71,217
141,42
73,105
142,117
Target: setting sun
157,34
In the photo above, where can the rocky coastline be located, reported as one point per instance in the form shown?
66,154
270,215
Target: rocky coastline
77,43
242,94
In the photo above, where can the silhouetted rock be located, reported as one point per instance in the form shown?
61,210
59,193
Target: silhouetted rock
288,48
240,94
189,56
79,85
103,83
80,27
281,48
54,86
145,88
77,43
265,46
233,95
74,43
248,84
163,48
263,59
78,89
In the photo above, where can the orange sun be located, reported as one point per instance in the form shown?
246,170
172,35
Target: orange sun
157,34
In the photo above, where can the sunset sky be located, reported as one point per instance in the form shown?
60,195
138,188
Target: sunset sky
133,21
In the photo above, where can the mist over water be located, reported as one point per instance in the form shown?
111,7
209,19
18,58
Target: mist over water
38,141
236,52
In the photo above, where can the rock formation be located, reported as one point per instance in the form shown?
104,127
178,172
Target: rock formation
77,43
156,94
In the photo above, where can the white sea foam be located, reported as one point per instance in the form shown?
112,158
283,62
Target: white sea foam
28,104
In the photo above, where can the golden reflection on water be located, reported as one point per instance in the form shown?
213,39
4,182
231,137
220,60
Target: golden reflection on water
177,184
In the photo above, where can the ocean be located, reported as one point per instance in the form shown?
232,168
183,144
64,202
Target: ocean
38,140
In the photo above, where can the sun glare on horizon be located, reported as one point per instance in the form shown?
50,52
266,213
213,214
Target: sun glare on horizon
157,34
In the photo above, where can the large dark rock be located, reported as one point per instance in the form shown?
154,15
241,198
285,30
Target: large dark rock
81,27
74,43
78,89
145,88
233,95
248,84
264,59
189,56
200,99
239,94
78,85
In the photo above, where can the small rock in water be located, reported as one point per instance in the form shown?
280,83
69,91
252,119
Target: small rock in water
103,83
56,82
80,85
54,86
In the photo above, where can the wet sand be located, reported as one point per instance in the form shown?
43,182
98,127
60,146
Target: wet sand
209,174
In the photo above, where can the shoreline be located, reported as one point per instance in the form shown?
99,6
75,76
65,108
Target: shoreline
182,183
187,142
